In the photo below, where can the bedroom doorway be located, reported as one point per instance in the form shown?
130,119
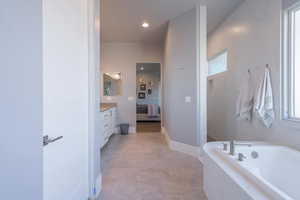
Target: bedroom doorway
149,97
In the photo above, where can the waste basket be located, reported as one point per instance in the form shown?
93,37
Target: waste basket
124,128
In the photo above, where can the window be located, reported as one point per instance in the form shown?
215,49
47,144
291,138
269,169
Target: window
217,64
291,66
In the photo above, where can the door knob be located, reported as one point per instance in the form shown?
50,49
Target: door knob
47,140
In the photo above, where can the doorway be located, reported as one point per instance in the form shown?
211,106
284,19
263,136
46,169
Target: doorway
148,95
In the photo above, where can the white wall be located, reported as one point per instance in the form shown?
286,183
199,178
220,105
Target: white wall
122,57
21,100
180,79
252,36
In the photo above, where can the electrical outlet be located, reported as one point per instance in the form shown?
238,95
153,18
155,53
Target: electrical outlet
180,68
131,98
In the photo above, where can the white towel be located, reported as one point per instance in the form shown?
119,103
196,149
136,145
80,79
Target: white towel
245,101
264,106
153,110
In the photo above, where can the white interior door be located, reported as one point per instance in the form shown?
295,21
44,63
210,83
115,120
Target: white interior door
65,84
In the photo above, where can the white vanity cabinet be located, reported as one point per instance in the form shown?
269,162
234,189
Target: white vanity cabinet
109,124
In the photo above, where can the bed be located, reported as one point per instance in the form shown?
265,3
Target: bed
143,114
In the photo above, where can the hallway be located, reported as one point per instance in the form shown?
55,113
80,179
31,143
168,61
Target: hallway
147,127
141,167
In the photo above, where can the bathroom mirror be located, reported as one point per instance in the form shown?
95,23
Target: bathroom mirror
112,84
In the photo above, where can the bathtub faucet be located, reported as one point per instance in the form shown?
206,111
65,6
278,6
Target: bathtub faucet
241,157
233,144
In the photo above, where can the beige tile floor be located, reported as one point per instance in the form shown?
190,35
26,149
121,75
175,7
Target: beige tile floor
141,167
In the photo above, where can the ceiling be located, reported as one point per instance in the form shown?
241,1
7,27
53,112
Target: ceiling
122,19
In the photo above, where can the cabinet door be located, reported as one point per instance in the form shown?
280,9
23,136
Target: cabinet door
100,129
114,119
62,116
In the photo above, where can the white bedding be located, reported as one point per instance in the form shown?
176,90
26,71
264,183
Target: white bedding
145,117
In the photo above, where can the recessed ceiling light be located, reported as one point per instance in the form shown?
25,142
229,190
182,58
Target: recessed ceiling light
145,25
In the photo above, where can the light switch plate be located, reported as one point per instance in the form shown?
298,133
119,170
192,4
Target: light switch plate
188,99
131,98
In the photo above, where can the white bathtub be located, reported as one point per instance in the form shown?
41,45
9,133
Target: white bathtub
274,175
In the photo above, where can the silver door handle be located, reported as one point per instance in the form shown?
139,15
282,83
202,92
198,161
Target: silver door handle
47,140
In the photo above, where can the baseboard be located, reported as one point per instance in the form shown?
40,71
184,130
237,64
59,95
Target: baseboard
97,188
184,148
181,147
212,139
98,185
132,130
80,191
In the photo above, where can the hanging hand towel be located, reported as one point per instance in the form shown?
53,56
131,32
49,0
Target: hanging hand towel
264,106
244,105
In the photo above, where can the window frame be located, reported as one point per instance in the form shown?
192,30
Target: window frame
214,57
288,65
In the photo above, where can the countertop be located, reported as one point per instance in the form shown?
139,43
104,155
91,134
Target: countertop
106,106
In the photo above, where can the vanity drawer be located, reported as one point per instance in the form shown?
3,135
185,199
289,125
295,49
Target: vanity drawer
107,133
107,116
107,126
109,123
